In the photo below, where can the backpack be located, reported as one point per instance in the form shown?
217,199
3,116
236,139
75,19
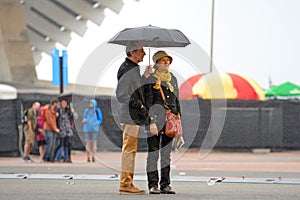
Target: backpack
43,110
99,115
24,116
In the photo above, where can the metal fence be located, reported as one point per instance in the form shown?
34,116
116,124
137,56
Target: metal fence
230,125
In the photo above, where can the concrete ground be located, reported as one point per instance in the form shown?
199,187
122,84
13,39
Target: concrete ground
217,175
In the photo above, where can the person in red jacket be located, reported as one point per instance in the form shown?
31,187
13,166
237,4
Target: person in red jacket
50,129
40,135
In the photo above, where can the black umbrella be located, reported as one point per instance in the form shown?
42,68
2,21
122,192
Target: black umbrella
151,36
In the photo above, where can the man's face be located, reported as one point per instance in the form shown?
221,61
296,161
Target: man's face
56,105
37,106
138,54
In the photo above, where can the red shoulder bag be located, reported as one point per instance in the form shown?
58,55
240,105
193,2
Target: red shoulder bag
173,126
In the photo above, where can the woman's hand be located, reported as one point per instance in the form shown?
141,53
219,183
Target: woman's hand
148,71
153,129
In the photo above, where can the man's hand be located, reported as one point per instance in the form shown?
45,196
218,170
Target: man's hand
153,129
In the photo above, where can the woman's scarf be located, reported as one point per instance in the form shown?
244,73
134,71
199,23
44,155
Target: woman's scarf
160,76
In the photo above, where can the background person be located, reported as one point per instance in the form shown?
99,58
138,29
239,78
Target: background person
92,118
40,135
63,139
50,129
30,130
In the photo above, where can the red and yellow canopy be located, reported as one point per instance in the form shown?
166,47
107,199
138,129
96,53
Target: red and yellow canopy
220,85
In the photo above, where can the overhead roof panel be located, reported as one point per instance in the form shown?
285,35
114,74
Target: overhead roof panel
39,42
83,8
52,11
36,21
37,56
115,5
52,21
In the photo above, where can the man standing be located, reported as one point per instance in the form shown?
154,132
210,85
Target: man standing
50,129
30,129
133,113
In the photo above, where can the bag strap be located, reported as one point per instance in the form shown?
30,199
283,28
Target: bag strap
164,99
162,94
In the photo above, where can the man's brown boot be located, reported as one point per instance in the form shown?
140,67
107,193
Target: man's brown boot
131,190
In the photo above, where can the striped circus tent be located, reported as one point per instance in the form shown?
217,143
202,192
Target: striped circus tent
220,85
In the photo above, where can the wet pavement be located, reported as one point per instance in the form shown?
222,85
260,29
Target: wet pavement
217,175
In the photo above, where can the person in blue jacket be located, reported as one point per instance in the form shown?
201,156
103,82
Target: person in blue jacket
92,118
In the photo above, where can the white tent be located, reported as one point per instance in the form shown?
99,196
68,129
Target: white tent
7,92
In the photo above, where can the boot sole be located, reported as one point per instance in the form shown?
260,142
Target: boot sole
154,192
167,192
128,193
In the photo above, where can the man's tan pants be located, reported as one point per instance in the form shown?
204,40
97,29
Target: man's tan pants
129,149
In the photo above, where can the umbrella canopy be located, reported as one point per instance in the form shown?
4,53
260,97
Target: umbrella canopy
151,36
284,90
221,86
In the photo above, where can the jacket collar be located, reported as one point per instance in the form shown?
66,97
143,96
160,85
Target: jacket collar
130,62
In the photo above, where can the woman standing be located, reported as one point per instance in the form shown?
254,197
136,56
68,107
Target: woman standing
92,118
158,142
63,140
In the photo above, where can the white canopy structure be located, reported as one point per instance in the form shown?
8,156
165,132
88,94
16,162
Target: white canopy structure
7,92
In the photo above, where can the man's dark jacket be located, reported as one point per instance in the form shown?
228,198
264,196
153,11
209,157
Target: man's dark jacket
130,94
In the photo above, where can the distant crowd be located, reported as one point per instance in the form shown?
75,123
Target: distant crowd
52,125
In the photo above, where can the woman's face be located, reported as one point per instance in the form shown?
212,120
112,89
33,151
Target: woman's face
64,104
91,105
163,64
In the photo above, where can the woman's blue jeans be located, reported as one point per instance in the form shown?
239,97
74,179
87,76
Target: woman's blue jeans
62,149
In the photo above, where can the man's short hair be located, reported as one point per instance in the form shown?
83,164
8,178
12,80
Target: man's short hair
53,101
131,46
36,102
